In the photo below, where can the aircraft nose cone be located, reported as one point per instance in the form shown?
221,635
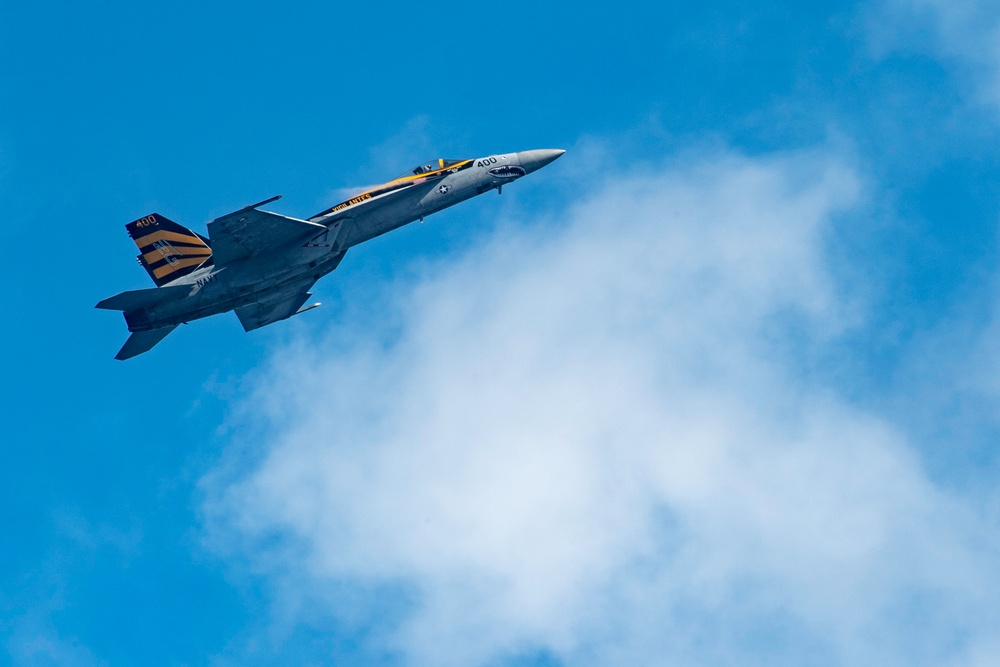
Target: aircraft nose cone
538,158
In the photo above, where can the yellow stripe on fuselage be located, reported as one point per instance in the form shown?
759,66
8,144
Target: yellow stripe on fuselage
415,177
369,195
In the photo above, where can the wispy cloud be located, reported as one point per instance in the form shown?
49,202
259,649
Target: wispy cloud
962,32
410,146
38,635
589,437
34,641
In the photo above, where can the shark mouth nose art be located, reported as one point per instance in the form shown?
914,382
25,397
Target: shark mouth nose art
507,171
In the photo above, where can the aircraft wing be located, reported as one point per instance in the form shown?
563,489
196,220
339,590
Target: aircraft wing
282,303
273,309
248,231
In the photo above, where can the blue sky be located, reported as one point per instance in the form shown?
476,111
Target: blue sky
716,388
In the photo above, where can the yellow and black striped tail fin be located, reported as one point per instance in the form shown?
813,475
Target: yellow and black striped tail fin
168,251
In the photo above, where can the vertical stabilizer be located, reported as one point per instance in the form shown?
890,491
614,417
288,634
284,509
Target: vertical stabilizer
142,341
168,251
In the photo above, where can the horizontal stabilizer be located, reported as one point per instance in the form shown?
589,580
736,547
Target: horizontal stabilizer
144,298
142,341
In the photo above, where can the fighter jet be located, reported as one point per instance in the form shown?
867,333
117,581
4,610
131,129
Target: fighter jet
262,265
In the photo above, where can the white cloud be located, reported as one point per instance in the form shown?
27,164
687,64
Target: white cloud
963,32
413,144
588,436
34,641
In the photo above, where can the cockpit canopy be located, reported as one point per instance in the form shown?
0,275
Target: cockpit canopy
436,165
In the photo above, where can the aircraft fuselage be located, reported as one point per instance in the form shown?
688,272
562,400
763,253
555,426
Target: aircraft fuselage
265,274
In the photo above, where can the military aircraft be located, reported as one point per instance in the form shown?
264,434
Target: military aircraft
262,265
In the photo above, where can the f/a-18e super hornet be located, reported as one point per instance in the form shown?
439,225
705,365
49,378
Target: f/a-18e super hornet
261,265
